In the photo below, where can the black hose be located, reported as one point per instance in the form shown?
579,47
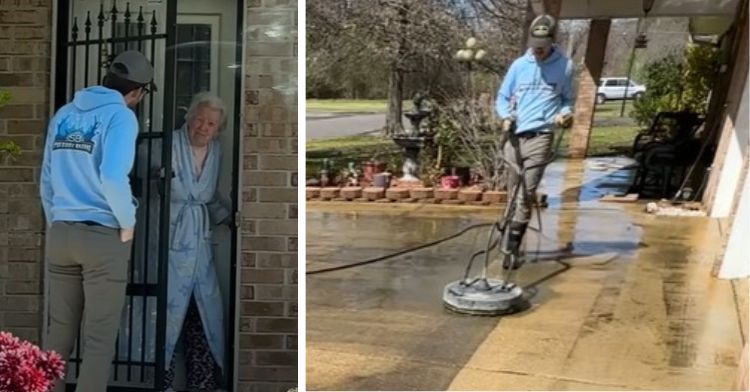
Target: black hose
401,252
431,244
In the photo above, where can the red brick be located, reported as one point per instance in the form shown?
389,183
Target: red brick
469,195
421,193
247,292
275,358
328,193
494,197
276,292
277,260
39,16
277,325
397,193
351,192
262,276
277,227
16,175
373,193
255,308
446,194
17,111
276,195
27,127
17,79
259,342
274,373
291,342
278,162
19,319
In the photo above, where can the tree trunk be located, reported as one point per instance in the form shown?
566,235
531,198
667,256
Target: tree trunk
393,123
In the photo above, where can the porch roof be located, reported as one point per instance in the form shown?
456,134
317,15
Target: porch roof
613,9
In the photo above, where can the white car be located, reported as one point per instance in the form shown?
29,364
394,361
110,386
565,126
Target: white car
614,89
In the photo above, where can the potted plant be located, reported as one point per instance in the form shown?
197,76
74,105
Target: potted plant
372,167
450,182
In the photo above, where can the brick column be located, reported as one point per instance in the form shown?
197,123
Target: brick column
24,72
268,291
586,92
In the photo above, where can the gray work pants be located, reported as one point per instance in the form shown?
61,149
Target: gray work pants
532,150
87,266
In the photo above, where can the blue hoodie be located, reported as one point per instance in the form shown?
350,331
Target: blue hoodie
540,91
89,152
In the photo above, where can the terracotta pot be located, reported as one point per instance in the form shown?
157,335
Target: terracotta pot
450,182
371,168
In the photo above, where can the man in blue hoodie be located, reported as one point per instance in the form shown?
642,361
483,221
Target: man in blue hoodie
535,98
90,213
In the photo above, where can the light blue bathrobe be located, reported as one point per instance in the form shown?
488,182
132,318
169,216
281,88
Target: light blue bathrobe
191,268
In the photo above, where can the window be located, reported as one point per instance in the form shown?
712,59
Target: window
193,66
611,83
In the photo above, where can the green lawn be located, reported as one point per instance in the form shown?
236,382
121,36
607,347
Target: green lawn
612,140
607,110
346,106
357,149
611,109
351,105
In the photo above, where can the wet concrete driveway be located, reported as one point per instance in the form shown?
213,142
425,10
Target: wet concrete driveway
631,306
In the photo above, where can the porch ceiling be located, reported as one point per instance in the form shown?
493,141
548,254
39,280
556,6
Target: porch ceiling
586,9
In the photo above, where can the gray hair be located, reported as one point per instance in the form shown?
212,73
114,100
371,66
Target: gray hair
210,100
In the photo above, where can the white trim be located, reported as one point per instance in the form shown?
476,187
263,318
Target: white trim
301,197
737,151
735,263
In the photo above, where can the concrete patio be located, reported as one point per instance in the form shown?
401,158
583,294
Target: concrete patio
633,305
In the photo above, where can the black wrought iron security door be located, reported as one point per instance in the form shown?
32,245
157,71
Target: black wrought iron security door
90,34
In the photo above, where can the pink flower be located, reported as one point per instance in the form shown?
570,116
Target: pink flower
26,368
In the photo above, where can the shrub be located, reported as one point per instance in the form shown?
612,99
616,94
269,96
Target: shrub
677,84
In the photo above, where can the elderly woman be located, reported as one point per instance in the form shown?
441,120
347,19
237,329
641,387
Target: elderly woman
194,303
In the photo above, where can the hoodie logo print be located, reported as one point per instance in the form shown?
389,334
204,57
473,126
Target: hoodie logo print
71,135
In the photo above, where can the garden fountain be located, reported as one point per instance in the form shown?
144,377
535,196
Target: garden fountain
414,138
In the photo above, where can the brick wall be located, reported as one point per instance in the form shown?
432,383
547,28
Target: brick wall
586,90
24,71
268,291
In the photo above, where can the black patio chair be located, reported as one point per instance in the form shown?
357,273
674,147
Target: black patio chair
669,145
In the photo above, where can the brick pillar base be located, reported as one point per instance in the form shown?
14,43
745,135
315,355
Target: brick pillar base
586,101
